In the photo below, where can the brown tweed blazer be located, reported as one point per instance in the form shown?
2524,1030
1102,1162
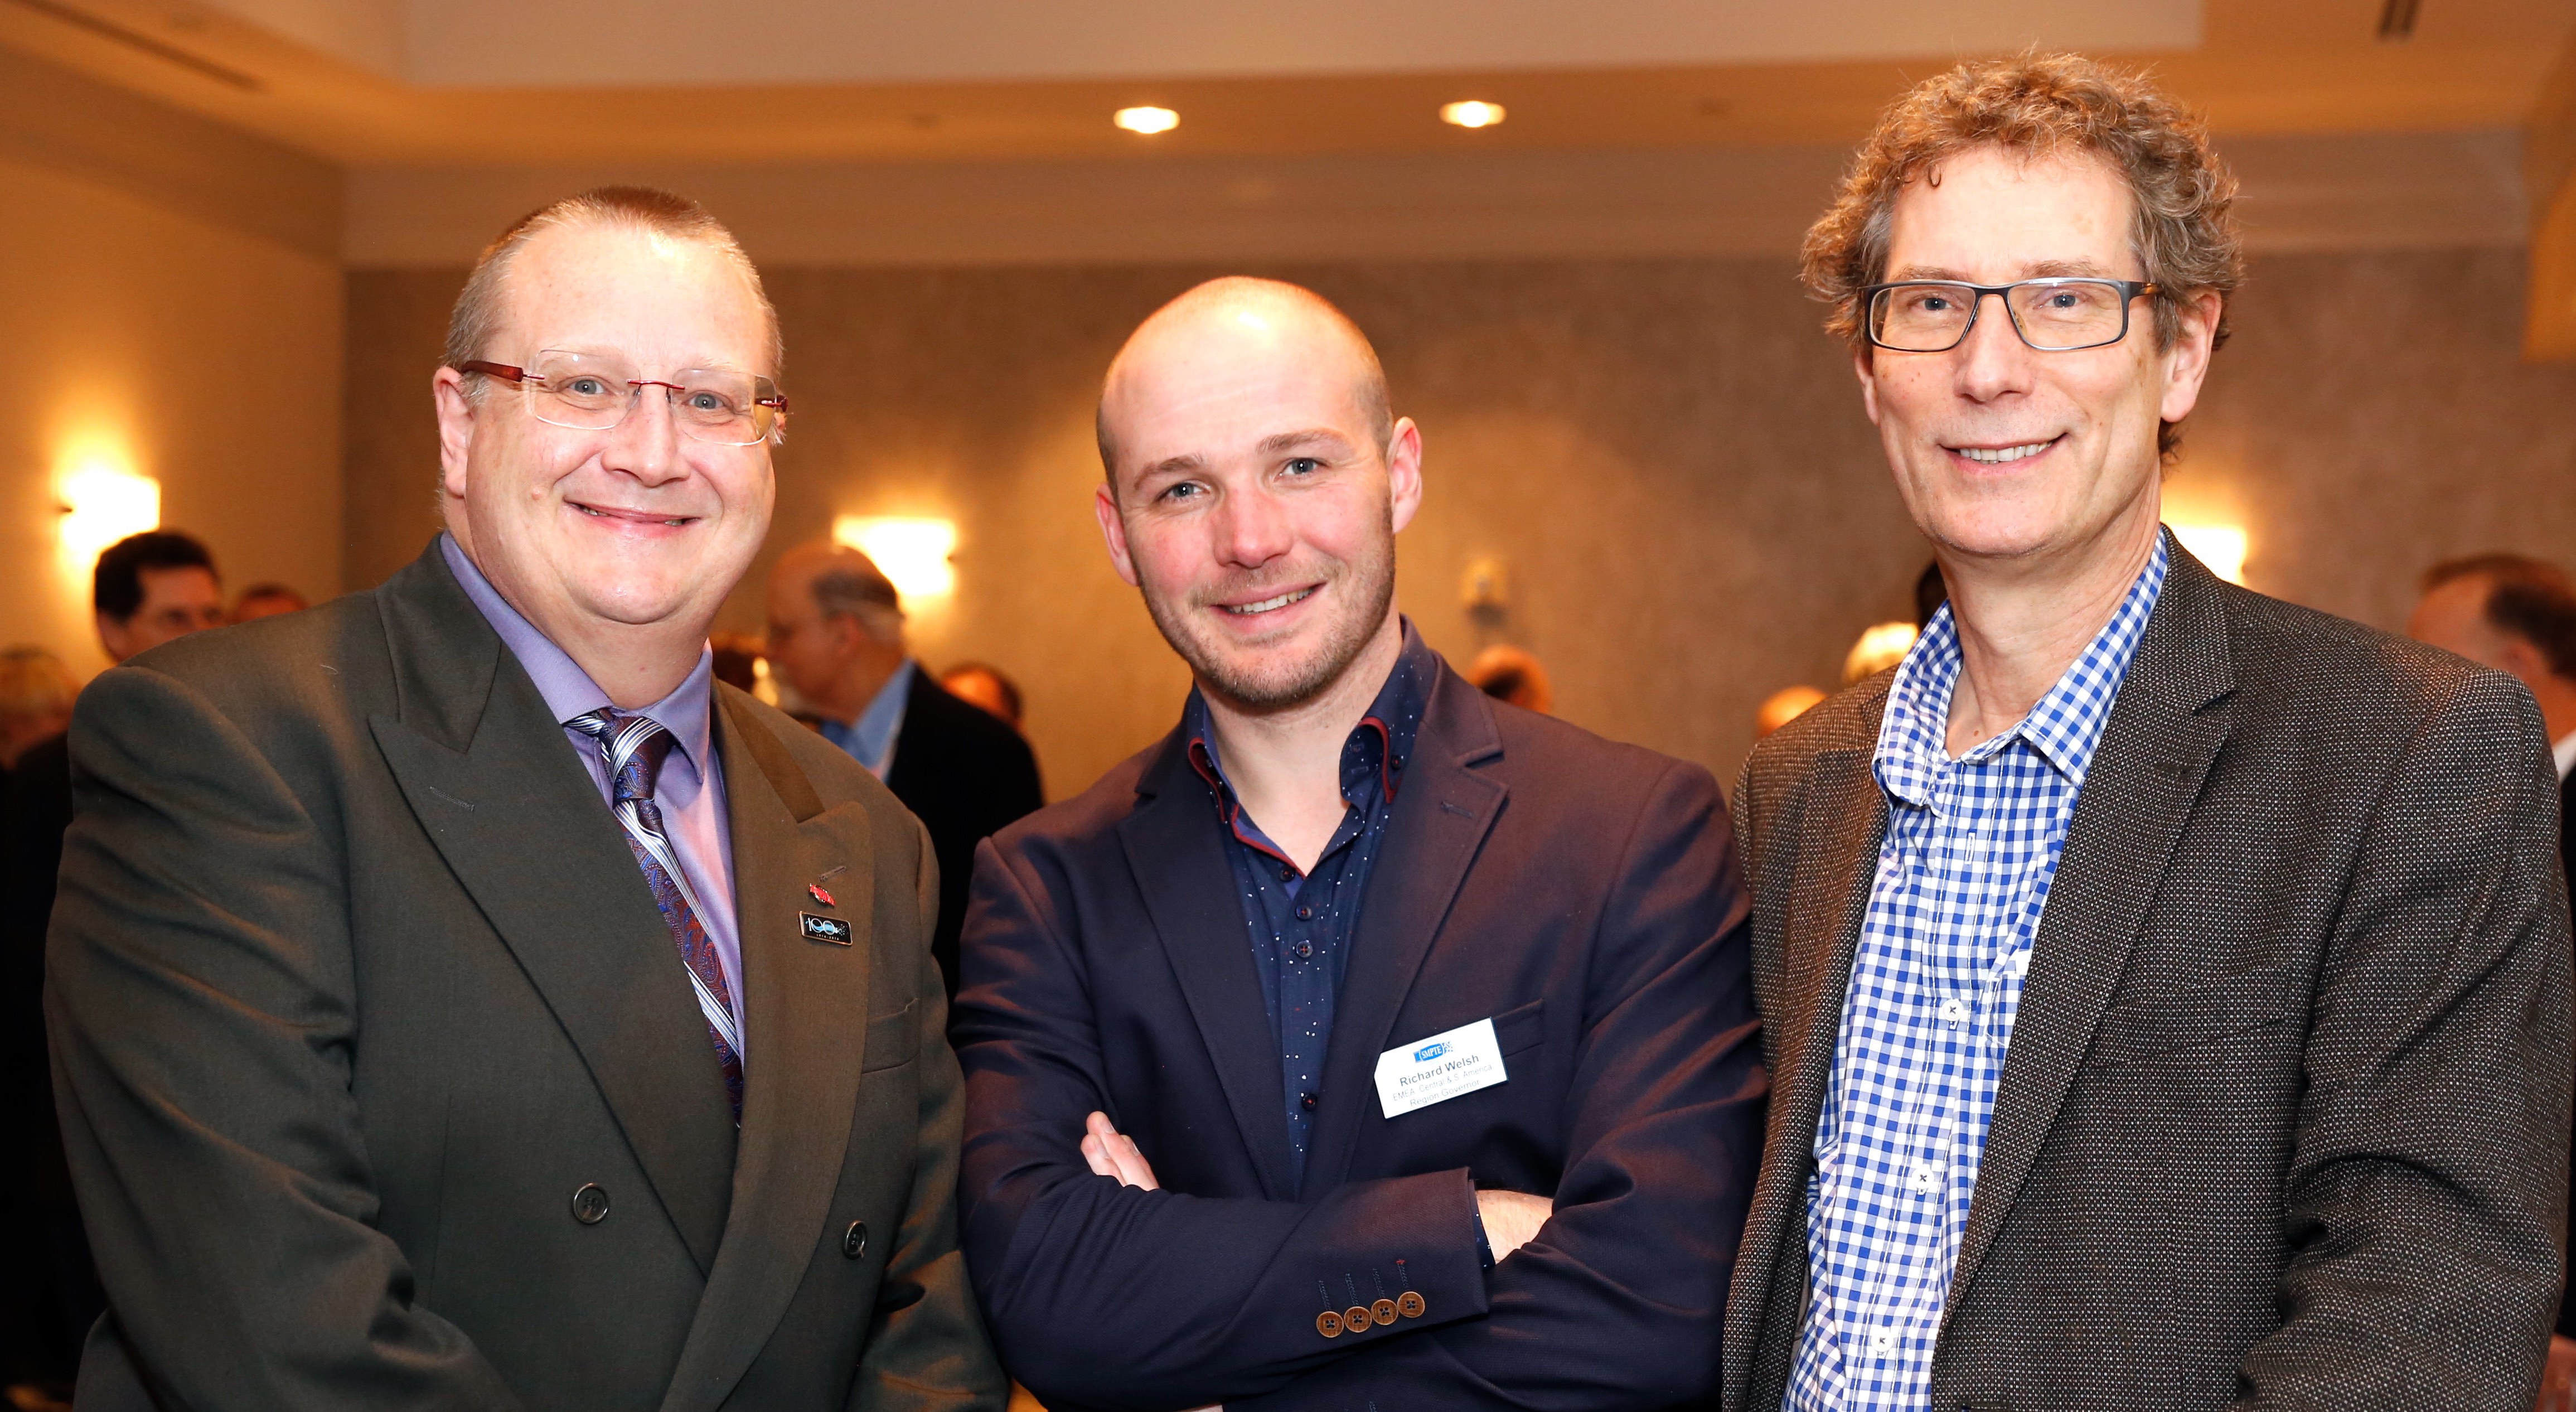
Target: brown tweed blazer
2285,1118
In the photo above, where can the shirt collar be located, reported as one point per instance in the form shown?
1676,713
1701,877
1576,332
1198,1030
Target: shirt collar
870,739
2063,727
2564,753
1383,739
687,713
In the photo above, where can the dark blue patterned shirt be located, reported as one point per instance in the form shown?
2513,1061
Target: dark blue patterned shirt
1301,924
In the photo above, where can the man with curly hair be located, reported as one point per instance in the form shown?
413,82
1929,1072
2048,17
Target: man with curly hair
2166,989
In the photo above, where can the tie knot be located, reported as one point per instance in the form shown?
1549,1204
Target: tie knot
634,747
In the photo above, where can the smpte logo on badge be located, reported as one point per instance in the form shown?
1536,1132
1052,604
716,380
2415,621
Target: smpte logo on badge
1438,1068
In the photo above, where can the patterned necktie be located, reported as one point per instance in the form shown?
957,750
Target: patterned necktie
634,747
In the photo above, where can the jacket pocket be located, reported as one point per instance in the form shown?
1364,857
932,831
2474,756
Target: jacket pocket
893,1040
2156,1025
1521,1027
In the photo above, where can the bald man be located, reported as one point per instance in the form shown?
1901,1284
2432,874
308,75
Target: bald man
1365,1042
836,637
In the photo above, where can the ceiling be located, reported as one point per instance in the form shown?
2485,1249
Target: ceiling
630,43
509,83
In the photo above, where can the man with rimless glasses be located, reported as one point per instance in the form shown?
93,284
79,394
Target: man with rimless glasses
2165,988
459,1000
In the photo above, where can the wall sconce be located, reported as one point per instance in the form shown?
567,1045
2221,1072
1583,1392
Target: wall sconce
912,552
103,503
2221,547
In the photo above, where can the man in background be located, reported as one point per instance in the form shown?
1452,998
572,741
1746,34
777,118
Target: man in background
1362,1043
983,684
2518,615
146,589
2168,986
836,639
267,600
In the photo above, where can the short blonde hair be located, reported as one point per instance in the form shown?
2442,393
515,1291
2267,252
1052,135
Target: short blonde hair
34,684
2183,229
477,316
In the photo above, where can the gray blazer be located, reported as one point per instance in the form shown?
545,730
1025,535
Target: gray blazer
355,983
2285,1118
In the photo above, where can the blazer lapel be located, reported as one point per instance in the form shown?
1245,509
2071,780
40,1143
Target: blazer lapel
2166,728
495,784
1188,885
806,1009
1443,810
1840,824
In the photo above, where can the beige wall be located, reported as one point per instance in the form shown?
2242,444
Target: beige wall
1668,456
172,310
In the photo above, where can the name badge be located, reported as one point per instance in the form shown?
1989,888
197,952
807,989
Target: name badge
1439,1068
831,929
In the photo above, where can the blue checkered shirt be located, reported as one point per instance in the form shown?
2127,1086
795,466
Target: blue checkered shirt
1963,874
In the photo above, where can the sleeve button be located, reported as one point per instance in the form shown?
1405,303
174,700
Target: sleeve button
1329,1324
1410,1304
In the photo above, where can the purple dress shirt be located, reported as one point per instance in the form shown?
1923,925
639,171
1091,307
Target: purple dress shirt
690,789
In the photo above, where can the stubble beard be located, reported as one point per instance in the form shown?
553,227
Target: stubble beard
1269,680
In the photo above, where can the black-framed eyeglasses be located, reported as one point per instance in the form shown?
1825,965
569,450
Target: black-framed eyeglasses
596,391
2059,314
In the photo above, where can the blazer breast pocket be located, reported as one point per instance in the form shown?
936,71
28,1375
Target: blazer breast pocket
1521,1027
2158,1025
893,1040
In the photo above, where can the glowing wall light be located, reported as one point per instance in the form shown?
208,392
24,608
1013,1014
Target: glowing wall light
1146,121
912,552
1471,114
2221,547
103,502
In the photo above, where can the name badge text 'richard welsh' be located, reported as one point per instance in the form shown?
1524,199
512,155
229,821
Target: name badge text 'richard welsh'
1439,1067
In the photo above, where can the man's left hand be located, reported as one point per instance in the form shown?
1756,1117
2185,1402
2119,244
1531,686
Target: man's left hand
1112,1153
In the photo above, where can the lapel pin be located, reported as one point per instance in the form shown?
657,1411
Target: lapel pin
820,895
831,929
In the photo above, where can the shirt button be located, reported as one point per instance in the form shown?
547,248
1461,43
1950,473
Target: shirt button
1954,1012
1925,1179
1305,914
1304,949
1306,1101
1882,1342
1287,875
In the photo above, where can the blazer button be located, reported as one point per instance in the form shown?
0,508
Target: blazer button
1356,1318
1409,1304
1382,1313
590,1204
1329,1324
854,1241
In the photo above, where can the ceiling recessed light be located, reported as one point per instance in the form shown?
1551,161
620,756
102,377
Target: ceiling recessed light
1146,120
1471,113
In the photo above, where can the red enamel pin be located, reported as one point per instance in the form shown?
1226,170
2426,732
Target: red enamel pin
820,895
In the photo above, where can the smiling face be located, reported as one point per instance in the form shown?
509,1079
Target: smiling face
2002,452
1251,502
638,526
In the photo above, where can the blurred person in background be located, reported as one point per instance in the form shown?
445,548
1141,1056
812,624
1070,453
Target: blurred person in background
836,639
2518,615
36,692
458,999
1783,706
267,600
145,590
1515,675
1879,647
1361,1043
2168,987
981,684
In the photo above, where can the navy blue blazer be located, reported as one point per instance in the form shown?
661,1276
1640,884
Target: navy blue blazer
1583,895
